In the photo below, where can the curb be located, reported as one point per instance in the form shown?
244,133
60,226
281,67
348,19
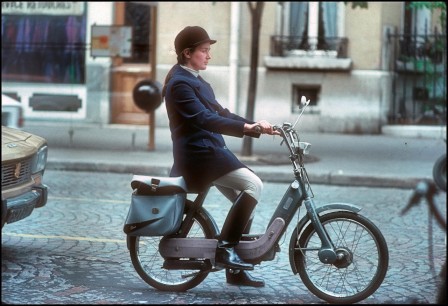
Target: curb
268,176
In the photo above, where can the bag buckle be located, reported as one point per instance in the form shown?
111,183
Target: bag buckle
154,184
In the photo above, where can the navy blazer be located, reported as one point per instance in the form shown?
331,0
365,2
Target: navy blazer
197,122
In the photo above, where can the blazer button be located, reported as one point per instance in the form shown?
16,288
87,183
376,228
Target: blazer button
225,147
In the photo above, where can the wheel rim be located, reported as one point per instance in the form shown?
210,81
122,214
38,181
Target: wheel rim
148,262
153,263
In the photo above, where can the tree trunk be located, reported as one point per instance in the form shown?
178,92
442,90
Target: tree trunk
256,14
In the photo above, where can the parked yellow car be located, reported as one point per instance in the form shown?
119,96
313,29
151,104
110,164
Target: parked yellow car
24,158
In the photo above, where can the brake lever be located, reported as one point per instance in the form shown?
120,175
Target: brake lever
278,128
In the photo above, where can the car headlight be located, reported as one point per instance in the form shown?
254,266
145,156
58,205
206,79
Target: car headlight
41,159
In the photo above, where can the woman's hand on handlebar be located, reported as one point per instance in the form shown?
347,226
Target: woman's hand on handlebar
262,127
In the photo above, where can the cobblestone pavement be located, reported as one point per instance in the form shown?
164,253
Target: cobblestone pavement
73,250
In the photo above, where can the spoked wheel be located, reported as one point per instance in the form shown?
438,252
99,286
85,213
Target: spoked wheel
439,172
148,262
362,263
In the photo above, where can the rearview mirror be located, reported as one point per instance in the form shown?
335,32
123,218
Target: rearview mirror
303,102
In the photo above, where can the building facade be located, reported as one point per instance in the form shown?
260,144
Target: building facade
70,61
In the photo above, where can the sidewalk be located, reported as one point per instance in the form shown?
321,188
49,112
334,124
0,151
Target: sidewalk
364,160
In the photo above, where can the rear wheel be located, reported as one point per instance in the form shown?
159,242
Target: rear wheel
362,263
148,262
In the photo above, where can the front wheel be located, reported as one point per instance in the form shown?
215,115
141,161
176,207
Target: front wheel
362,263
148,262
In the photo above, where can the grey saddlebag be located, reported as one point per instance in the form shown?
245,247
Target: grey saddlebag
157,206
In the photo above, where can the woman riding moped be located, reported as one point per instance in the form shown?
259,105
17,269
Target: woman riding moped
197,122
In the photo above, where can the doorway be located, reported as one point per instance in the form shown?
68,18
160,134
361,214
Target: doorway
127,72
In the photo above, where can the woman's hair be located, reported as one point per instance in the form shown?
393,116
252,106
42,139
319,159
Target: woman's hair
181,59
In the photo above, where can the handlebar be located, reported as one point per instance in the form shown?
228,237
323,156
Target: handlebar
258,128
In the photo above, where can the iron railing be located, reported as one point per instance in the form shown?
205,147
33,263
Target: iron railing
419,79
289,45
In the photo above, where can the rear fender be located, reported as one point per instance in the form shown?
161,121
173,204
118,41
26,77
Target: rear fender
212,223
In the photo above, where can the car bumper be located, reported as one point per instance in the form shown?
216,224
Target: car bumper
22,206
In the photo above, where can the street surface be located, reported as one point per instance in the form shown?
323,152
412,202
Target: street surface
73,250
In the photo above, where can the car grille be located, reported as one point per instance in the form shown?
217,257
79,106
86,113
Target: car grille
14,175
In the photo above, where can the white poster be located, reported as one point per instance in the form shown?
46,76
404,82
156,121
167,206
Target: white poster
111,41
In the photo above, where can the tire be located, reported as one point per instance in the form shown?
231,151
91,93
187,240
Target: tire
4,212
441,292
147,261
439,172
345,281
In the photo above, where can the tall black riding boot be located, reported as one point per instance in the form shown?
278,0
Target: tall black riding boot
241,277
231,233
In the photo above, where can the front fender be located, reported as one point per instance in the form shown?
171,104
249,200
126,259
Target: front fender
321,210
327,208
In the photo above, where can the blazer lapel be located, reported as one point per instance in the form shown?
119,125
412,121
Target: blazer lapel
206,93
203,89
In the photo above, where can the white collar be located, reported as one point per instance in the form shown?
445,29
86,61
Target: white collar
194,72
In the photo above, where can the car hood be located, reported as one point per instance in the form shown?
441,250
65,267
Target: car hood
9,135
17,144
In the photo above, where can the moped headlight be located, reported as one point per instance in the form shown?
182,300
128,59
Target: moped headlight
40,160
305,146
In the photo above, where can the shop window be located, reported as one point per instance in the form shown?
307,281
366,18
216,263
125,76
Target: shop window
44,42
139,17
315,22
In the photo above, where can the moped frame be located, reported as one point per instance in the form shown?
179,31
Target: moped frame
261,247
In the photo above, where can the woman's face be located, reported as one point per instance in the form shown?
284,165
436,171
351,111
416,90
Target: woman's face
198,59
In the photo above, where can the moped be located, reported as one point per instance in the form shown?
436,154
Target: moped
340,255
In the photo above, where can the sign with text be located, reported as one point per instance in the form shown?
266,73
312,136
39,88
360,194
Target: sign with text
108,41
42,8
